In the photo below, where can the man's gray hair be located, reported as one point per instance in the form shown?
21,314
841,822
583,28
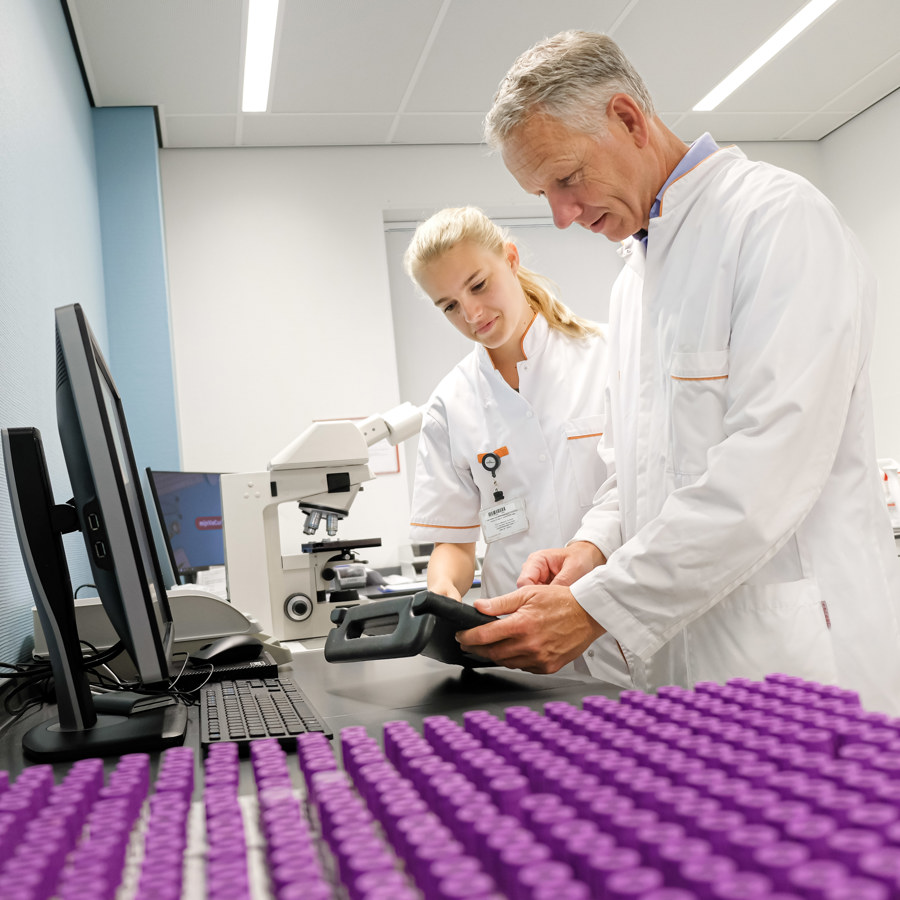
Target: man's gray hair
570,77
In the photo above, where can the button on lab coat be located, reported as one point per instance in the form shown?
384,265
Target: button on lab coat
547,434
744,526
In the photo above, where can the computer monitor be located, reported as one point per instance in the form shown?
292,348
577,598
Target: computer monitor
109,509
189,506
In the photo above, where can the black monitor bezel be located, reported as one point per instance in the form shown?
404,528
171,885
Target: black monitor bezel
127,575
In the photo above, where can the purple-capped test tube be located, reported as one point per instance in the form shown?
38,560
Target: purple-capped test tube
815,878
882,865
632,884
778,860
860,889
699,875
570,890
465,887
603,863
742,886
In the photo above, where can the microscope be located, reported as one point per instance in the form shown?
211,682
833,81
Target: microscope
321,471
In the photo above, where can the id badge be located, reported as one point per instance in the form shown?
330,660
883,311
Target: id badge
503,519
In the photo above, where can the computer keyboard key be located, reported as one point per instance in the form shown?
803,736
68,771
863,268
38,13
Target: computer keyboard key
250,709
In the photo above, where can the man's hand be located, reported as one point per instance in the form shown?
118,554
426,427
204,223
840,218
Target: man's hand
544,628
561,565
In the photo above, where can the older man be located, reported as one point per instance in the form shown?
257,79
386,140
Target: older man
743,531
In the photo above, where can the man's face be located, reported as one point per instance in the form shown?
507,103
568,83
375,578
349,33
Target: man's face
601,182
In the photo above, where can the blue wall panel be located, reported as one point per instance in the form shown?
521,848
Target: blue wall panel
134,271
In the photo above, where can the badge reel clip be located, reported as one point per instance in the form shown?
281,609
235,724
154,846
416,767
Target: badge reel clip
490,462
503,517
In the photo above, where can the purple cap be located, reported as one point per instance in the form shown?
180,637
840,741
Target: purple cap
511,860
604,863
838,803
450,867
785,811
578,850
538,874
754,802
883,865
859,889
673,854
866,781
650,838
742,842
812,831
742,886
626,824
779,859
700,874
312,890
570,890
465,887
668,798
670,893
816,877
604,809
630,884
847,845
541,821
562,832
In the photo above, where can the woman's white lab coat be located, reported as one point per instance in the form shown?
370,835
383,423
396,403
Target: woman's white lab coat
546,435
744,525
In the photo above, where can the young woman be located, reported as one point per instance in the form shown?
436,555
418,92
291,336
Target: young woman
509,441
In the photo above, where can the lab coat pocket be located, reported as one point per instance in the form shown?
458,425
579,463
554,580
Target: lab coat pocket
697,385
588,469
759,629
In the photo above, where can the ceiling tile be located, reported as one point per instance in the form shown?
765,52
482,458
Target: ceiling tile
479,41
425,72
842,48
313,130
448,129
816,126
881,82
683,50
349,56
726,127
199,131
185,56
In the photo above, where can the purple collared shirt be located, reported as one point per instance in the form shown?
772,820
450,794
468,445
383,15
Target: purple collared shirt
701,148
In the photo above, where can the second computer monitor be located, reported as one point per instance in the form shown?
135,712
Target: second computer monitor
189,506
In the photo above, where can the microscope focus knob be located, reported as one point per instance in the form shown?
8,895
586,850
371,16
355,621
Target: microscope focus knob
298,607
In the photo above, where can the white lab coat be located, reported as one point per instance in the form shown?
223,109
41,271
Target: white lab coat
744,526
549,428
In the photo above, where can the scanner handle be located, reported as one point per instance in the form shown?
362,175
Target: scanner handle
460,614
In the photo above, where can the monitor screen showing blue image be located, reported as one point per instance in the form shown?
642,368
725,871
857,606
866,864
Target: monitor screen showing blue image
190,512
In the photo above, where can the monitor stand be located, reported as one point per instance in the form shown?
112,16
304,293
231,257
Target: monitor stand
150,730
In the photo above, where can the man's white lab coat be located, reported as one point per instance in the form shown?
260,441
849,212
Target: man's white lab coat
744,524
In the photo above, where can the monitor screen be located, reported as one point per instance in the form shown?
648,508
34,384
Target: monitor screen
189,506
108,499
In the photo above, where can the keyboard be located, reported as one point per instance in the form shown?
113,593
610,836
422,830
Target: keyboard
192,677
254,708
744,791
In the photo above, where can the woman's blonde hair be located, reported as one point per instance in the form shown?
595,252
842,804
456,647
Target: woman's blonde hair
449,227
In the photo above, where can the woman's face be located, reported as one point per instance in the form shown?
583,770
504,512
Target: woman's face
479,293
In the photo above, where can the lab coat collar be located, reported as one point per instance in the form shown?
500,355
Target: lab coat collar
533,343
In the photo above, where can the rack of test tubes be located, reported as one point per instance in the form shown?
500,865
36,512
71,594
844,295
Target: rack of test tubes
782,789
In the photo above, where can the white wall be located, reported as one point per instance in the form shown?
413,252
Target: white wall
280,300
862,177
280,290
